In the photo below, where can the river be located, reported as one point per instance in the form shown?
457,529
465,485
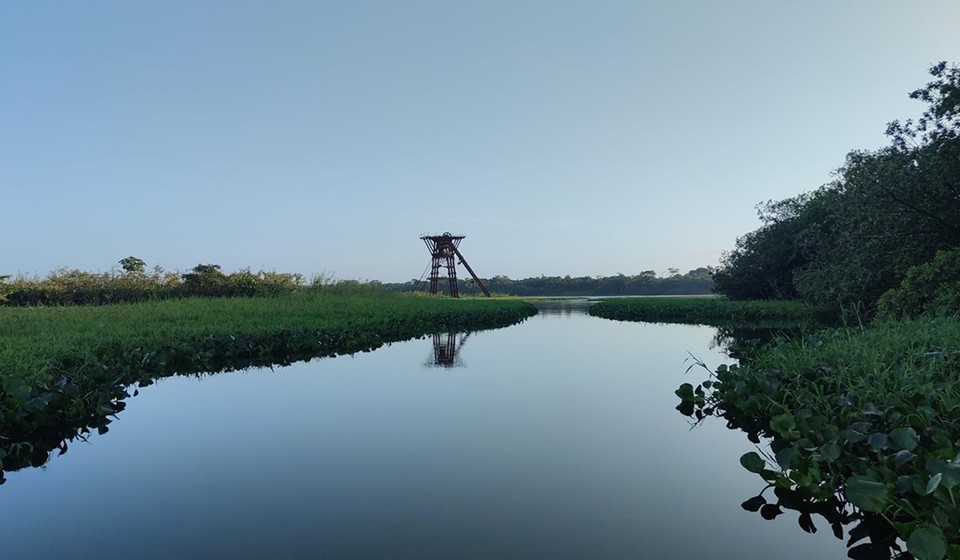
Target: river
555,438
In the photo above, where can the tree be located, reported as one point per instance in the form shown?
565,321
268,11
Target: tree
133,265
204,279
855,238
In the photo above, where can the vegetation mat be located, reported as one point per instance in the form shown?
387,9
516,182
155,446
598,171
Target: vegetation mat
714,311
863,428
64,371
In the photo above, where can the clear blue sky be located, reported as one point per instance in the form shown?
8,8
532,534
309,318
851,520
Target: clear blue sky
561,137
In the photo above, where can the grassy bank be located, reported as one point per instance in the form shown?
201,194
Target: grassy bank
702,310
855,417
863,423
65,370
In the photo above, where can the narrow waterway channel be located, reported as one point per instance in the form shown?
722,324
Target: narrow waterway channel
555,438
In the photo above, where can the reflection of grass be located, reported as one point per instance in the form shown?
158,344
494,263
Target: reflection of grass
705,311
871,415
68,366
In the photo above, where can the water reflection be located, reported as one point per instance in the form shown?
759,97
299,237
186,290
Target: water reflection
871,537
446,350
741,341
48,434
562,307
562,443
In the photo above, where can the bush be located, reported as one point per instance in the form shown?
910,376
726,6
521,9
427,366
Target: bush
928,289
77,287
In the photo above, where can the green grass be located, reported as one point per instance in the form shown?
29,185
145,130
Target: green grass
64,370
708,310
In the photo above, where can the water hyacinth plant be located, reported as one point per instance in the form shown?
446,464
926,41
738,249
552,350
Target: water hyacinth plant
863,426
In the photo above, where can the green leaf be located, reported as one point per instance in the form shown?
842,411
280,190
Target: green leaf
830,452
933,483
927,543
906,483
785,457
17,388
753,462
685,392
866,494
902,457
782,423
905,438
878,442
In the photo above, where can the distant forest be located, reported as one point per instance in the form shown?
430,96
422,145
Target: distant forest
647,283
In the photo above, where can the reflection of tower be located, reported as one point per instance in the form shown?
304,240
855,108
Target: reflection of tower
446,350
443,248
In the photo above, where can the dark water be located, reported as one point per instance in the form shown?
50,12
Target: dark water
556,438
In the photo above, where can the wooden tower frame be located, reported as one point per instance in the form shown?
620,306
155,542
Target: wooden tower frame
443,249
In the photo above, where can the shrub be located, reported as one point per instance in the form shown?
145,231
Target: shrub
932,288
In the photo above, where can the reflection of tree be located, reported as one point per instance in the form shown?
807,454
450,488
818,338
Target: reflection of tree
562,307
446,349
741,341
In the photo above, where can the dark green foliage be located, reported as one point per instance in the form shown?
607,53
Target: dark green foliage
855,238
932,289
205,280
893,211
863,426
133,265
697,281
703,311
942,120
761,267
764,262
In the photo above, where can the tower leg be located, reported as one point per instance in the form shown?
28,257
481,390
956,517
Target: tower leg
472,273
452,276
434,274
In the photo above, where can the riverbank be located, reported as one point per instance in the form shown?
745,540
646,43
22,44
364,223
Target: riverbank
863,423
66,370
703,310
866,417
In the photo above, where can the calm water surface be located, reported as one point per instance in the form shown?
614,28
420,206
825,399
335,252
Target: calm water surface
555,438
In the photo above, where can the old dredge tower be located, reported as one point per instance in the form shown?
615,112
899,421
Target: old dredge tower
443,249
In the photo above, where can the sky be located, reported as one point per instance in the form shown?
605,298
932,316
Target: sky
582,138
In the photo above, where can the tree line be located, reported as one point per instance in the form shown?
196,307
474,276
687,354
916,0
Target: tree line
885,219
647,283
132,282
